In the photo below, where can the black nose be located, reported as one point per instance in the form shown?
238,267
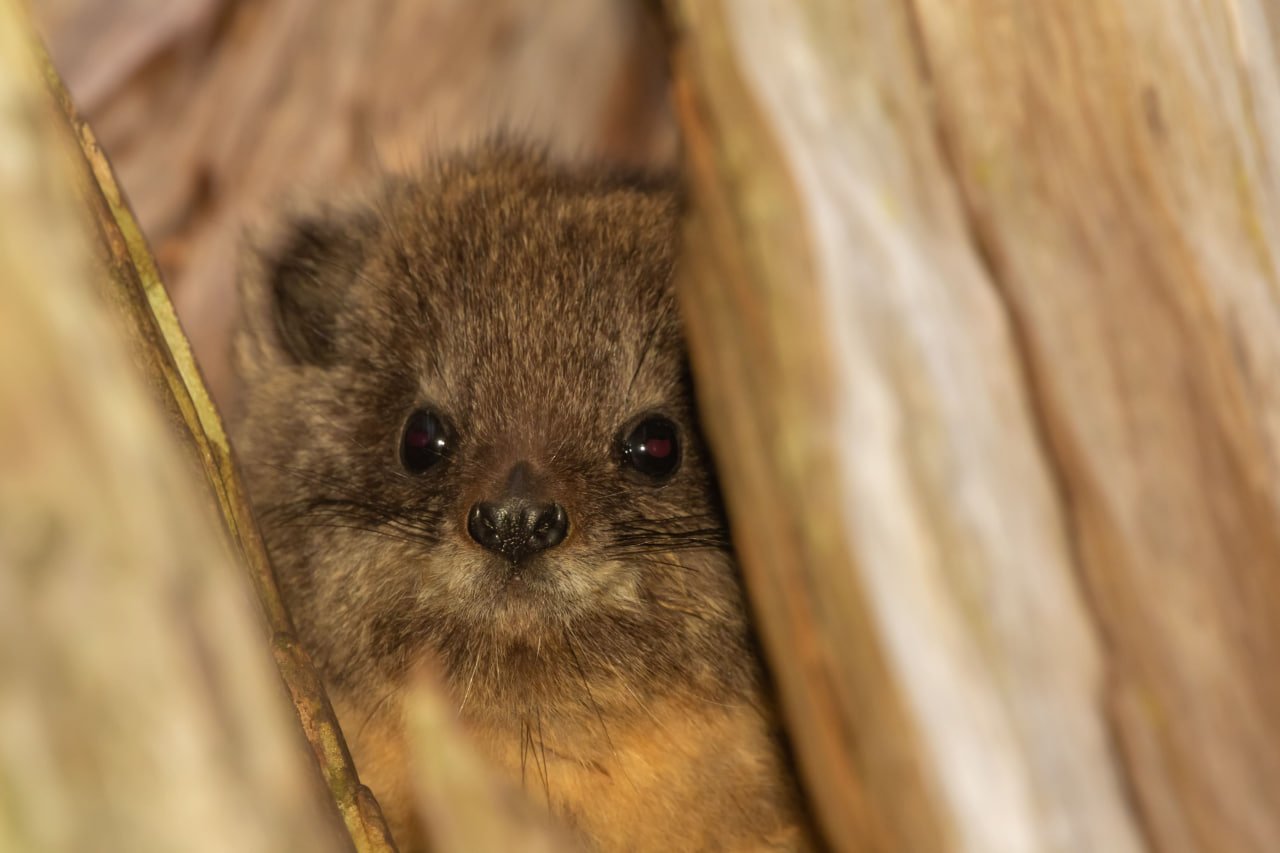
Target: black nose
517,527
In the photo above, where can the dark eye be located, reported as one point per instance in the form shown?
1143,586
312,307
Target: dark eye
653,447
425,442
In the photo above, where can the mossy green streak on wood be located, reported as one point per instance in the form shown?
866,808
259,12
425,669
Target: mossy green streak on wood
360,812
136,270
139,294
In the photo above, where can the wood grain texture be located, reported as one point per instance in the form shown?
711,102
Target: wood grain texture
1118,163
908,546
139,709
142,310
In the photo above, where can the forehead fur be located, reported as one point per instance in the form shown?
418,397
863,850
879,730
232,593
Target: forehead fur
529,280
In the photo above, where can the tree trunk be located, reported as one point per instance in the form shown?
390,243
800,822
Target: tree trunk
984,318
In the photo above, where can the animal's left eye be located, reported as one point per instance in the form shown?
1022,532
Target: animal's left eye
652,448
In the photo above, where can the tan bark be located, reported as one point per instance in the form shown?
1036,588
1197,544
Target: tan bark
132,287
139,709
984,319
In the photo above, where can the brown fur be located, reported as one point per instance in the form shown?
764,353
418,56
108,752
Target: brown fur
533,306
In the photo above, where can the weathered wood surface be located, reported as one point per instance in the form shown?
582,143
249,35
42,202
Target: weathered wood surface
132,286
139,708
984,316
216,112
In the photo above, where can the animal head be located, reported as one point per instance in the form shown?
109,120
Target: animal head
469,431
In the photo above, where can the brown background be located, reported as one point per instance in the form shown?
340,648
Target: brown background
218,114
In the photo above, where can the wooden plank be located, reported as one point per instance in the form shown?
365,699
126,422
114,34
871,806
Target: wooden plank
1118,162
905,542
132,287
139,709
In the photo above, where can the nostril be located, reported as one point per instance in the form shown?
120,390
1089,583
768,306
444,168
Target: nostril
484,525
550,525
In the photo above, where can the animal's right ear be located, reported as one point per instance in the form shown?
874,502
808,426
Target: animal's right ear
293,289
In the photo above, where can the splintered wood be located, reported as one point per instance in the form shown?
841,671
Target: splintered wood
984,316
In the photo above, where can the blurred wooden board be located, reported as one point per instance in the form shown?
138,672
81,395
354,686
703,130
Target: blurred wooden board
139,708
985,311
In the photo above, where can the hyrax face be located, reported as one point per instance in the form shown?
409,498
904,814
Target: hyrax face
469,431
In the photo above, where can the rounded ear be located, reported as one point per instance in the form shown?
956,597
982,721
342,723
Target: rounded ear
294,288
